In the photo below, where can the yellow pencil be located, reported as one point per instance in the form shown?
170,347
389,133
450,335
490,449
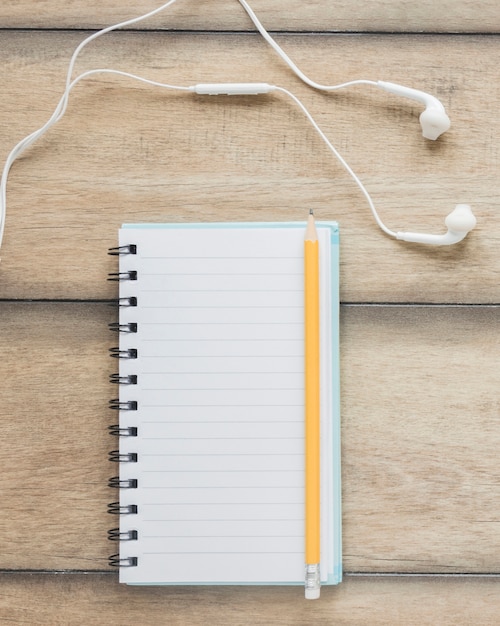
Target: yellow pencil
312,410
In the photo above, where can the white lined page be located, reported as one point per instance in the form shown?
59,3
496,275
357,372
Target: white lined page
220,398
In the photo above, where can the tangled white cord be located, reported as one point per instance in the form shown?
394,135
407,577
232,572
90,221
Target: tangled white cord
72,82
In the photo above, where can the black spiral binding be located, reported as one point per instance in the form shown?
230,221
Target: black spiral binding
116,509
118,430
127,457
122,483
128,535
115,561
116,353
116,379
119,276
130,249
129,405
129,431
127,301
131,327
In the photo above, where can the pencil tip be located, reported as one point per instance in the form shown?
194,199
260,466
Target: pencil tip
311,212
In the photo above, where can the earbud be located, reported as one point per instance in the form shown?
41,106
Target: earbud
433,120
459,222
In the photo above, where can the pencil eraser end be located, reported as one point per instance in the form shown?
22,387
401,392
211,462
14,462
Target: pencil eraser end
312,581
312,594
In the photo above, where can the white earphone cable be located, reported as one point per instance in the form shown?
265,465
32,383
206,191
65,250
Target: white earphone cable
340,159
291,64
61,107
130,22
71,83
55,117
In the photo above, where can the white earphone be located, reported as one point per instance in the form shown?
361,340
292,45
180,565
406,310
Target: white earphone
459,222
433,120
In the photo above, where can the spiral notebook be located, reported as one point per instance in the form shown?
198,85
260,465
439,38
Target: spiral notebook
211,404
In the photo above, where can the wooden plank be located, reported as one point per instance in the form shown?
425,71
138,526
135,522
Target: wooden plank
98,599
321,15
419,395
420,441
128,153
55,367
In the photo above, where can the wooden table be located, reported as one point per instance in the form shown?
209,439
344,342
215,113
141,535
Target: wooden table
419,325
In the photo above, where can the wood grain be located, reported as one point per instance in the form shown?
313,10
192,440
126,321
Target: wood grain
126,153
420,434
98,599
419,438
320,15
54,417
419,383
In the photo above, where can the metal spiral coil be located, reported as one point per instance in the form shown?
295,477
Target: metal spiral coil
122,431
114,508
116,327
123,483
116,379
114,534
128,457
121,276
116,405
118,430
125,302
120,250
116,353
116,561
